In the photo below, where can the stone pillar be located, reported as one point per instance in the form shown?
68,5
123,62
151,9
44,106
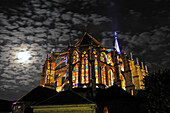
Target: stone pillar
99,65
127,73
92,61
80,69
43,76
70,66
134,70
116,67
107,78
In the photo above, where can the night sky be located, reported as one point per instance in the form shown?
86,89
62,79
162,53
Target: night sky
35,27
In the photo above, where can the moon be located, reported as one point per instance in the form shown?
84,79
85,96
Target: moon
23,56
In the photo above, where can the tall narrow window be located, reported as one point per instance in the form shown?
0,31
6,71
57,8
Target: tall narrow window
75,76
75,69
82,71
111,77
109,59
96,71
85,68
103,75
96,67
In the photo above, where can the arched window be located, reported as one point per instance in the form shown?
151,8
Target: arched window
96,67
103,75
85,68
111,77
75,76
75,57
103,57
75,70
109,59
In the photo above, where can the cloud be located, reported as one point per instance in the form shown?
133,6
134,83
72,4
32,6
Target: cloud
38,26
8,81
6,76
66,16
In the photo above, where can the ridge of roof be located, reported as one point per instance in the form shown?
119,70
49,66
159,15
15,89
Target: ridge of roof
95,40
32,93
80,39
65,98
92,38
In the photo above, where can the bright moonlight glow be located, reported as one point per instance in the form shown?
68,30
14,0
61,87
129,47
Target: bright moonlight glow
23,56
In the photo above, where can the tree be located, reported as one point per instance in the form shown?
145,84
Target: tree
157,87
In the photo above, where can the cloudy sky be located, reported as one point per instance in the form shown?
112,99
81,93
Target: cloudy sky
38,26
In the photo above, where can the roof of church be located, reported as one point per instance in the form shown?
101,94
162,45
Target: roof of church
113,92
37,94
65,98
88,39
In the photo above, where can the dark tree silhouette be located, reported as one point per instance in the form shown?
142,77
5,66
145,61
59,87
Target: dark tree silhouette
158,91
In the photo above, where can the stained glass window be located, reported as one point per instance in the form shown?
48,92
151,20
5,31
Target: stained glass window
85,68
75,76
96,71
102,57
75,69
103,75
82,71
111,77
87,71
102,79
109,59
96,67
75,56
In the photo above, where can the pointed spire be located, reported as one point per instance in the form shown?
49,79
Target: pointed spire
142,65
85,26
131,56
146,69
137,61
116,44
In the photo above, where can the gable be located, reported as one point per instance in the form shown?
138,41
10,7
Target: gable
87,40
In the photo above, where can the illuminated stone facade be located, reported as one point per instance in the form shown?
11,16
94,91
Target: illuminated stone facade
89,64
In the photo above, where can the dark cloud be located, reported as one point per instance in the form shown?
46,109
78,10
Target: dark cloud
38,26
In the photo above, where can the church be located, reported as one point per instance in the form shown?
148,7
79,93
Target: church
87,78
89,64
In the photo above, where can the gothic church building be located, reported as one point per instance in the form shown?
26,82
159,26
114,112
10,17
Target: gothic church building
89,64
